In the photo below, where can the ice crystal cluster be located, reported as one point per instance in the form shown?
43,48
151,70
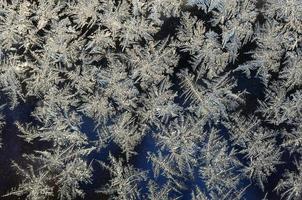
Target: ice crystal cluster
151,99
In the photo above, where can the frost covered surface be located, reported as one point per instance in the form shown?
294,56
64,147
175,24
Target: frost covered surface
151,99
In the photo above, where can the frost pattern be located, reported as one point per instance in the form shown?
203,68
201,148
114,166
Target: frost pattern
105,77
